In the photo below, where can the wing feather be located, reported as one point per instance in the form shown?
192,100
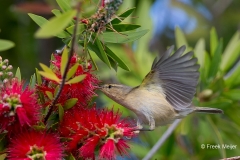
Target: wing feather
177,75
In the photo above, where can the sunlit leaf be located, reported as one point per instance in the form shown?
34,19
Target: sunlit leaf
56,12
70,103
122,16
79,29
64,60
117,59
216,60
231,53
18,74
76,79
200,51
41,21
180,38
39,79
60,112
32,82
6,44
49,95
72,71
64,5
122,27
123,37
213,41
46,68
55,25
50,76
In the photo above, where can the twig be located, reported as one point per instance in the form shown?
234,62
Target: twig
67,66
162,140
231,158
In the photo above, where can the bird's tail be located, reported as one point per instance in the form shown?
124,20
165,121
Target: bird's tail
208,110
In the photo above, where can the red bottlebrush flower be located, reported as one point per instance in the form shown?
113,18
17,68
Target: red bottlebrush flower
88,129
18,106
83,91
35,145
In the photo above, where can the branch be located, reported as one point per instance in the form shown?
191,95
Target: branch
162,139
232,158
67,66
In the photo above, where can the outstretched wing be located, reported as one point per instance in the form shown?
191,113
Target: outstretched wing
176,75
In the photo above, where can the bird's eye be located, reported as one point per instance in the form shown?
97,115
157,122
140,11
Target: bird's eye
110,86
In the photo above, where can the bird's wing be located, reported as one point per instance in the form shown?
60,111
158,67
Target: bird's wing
176,75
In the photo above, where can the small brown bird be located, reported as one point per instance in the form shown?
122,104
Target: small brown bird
166,92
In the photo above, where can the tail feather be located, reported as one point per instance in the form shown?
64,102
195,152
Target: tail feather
208,110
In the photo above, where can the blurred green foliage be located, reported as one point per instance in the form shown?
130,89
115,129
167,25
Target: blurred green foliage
218,84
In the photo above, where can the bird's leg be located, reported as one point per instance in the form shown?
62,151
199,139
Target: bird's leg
151,124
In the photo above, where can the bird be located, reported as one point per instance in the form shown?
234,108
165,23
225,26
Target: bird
165,93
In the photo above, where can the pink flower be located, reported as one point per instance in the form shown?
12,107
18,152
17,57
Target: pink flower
88,129
31,145
18,106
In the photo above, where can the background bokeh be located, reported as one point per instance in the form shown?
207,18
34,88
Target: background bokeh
194,17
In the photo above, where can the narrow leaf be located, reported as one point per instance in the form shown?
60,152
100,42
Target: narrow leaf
50,76
80,28
180,38
233,94
49,95
231,53
49,29
64,5
39,78
6,44
213,41
123,37
64,60
60,112
122,16
18,74
103,53
76,79
233,78
56,12
56,91
122,27
72,71
32,82
70,103
46,68
117,59
200,51
214,66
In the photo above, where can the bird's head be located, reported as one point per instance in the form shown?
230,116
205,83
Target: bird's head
116,92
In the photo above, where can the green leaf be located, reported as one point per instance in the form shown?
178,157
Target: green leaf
103,53
233,94
60,112
56,12
122,27
79,29
216,60
213,41
50,76
92,60
76,79
56,91
217,135
70,157
49,95
123,37
180,38
70,103
41,21
122,16
32,82
233,78
6,44
39,78
231,53
64,5
64,60
200,51
46,68
116,58
18,74
113,63
49,29
72,71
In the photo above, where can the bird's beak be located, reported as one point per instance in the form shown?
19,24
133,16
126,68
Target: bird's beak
99,87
